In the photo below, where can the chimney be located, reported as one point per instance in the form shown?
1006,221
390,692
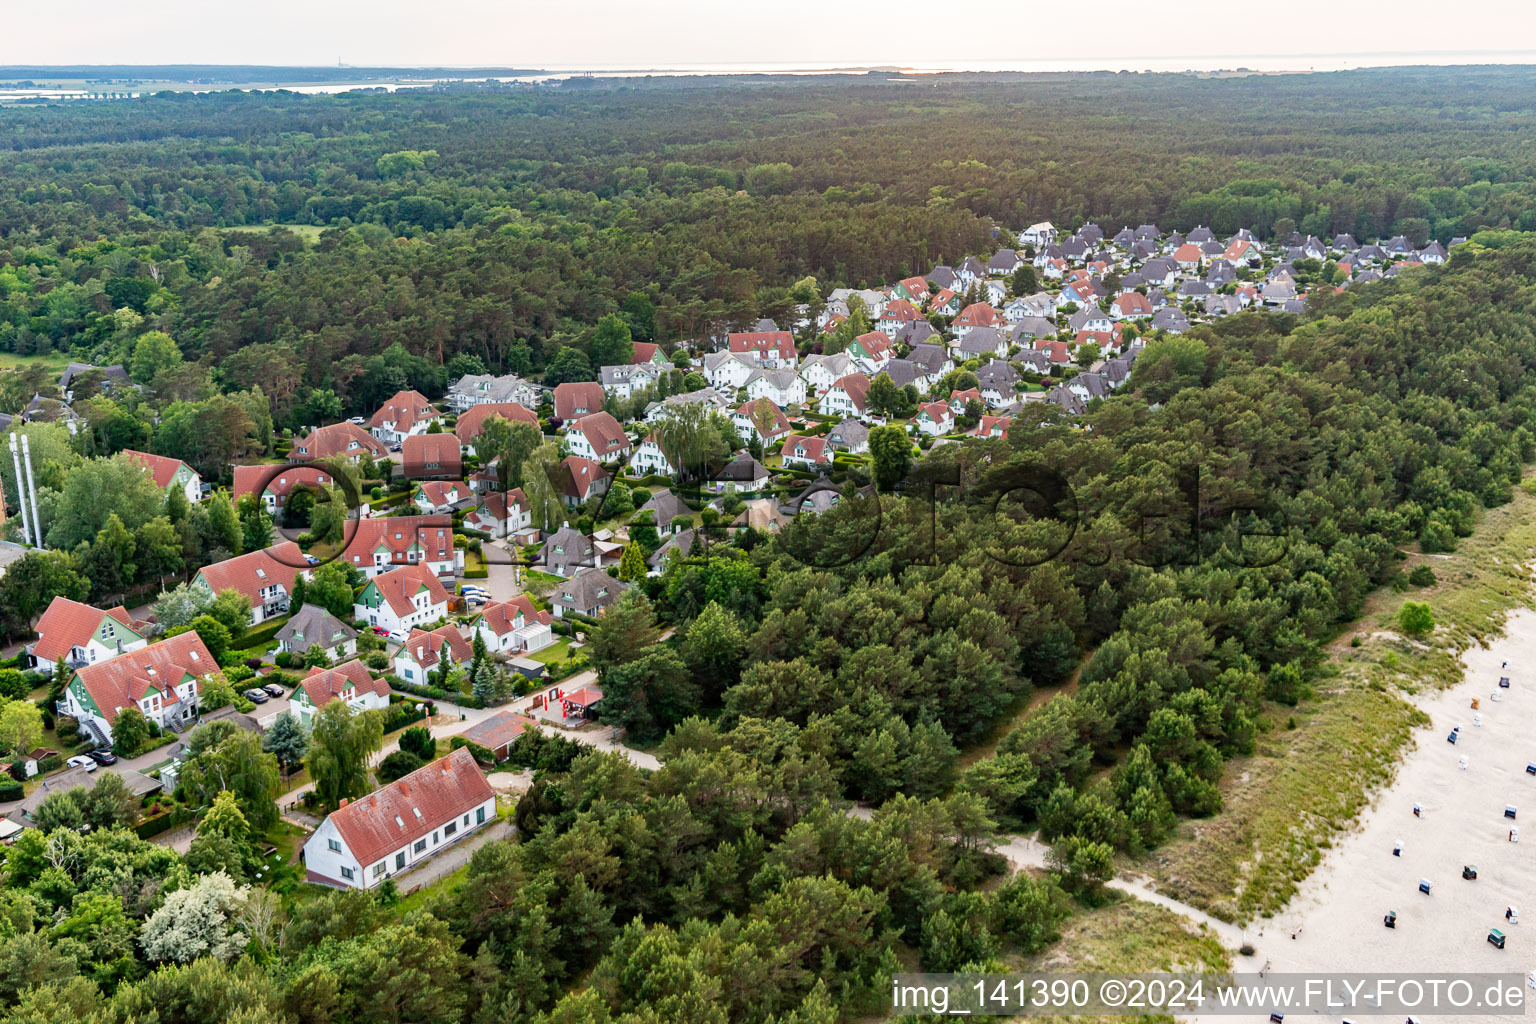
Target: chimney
344,802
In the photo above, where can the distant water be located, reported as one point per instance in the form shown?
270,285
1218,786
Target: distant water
1267,63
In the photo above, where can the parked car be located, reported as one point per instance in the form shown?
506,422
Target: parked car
256,695
274,690
311,559
381,631
357,421
396,447
81,761
102,755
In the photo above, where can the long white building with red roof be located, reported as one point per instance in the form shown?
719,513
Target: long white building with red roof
168,473
81,634
265,577
372,838
379,545
350,682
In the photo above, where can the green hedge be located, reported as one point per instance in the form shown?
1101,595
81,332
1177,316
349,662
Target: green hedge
477,574
262,634
434,693
10,789
162,823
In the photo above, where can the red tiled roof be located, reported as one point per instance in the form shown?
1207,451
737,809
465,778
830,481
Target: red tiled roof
69,624
977,314
604,433
915,285
472,420
250,572
584,473
501,615
939,412
780,343
404,410
279,481
1188,253
964,396
578,398
425,646
399,534
584,697
780,423
815,448
346,439
645,351
124,680
443,450
161,469
1132,302
495,505
323,685
399,586
499,730
875,343
1056,351
440,492
900,309
380,823
856,386
985,427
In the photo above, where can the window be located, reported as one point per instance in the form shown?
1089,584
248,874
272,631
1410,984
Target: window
479,815
434,838
334,845
378,869
466,821
399,860
450,828
347,874
420,847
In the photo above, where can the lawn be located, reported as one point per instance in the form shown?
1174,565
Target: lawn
556,652
55,361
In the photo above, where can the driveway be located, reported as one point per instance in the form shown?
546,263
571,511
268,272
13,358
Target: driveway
441,865
504,579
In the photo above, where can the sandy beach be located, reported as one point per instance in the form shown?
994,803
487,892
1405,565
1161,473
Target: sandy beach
1335,921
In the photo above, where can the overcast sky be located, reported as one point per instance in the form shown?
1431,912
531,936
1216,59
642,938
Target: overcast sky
650,33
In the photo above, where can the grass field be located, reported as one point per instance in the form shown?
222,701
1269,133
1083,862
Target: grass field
309,232
54,361
1285,805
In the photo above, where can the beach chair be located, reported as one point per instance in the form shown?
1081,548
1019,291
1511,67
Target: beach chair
1495,938
1509,811
1425,885
1391,919
1469,872
1503,682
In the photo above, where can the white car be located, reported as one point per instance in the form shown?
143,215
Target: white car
82,761
357,421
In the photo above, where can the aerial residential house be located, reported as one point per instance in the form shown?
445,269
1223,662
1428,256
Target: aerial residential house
649,353
781,387
1170,319
997,380
265,577
917,333
899,313
934,418
567,551
849,396
576,399
1031,327
944,278
1242,252
849,436
1130,306
1043,233
401,600
728,371
1433,253
806,452
707,398
407,413
379,545
1003,262
774,350
501,513
945,302
584,480
930,362
871,351
587,593
440,497
913,289
977,314
1052,269
168,473
474,389
665,509
472,420
992,426
872,299
79,634
163,680
350,682
1040,304
650,460
1160,272
981,343
1088,386
1081,292
1189,257
761,418
821,372
1278,293
743,473
621,382
1091,318
339,440
374,837
110,378
423,653
598,436
311,627
432,457
276,483
1057,353
513,627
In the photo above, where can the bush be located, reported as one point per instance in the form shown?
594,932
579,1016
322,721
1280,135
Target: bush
378,661
68,729
1422,576
10,790
418,740
238,673
52,762
262,634
284,659
398,716
1415,618
13,685
399,764
479,753
254,664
